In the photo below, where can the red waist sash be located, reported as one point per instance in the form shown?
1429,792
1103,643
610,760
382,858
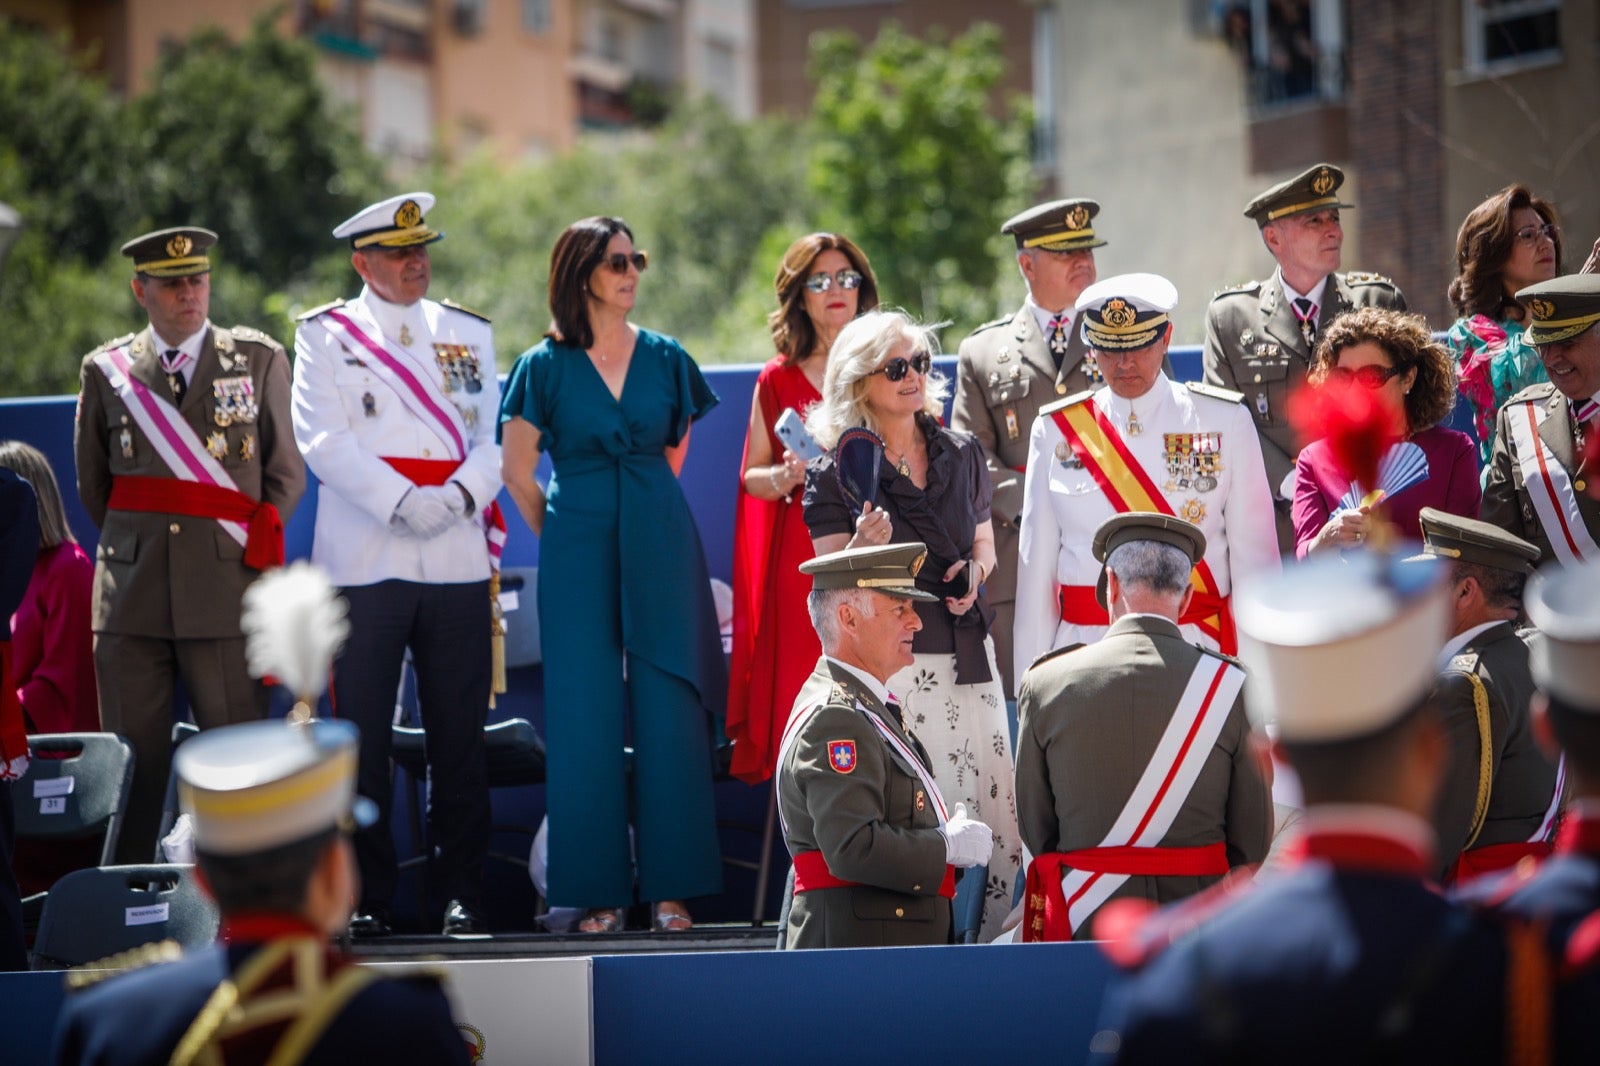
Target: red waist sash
811,872
1492,857
1044,913
263,546
1080,608
424,471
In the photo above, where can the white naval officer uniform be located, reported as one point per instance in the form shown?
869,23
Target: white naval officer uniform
1063,506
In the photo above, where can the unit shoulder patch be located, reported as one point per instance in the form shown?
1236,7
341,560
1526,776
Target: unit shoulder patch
479,315
1215,392
307,316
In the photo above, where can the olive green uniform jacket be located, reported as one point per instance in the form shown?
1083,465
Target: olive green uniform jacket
1254,346
873,822
1506,502
1004,374
1091,717
1522,781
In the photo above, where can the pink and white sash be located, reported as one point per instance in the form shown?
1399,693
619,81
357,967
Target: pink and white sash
1549,487
417,391
1166,782
175,441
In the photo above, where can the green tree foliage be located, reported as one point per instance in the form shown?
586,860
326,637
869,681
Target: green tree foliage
234,137
911,160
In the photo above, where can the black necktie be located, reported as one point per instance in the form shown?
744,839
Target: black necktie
172,363
1306,312
894,709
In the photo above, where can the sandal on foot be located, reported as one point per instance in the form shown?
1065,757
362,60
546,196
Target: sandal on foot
676,920
601,920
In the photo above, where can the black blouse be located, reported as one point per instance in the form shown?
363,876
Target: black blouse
944,516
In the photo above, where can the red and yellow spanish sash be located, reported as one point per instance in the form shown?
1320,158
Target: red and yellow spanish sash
1103,452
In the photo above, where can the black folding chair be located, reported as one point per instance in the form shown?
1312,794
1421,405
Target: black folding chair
93,913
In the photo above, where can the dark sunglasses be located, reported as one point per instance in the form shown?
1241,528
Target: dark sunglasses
895,369
845,279
1371,376
619,263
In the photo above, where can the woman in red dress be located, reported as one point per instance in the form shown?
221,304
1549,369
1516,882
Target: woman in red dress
823,282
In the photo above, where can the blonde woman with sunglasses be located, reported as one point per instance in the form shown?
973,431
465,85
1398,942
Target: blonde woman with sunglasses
628,631
932,487
1393,354
823,282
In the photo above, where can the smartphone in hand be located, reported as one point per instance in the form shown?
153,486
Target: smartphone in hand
791,429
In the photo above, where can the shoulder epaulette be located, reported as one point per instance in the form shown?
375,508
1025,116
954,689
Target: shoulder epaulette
92,973
307,316
115,342
993,322
479,315
1215,654
1365,278
1215,392
1463,662
1538,391
1236,290
250,333
1066,402
1056,653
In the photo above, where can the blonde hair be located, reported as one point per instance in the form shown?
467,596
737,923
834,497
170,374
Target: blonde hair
861,348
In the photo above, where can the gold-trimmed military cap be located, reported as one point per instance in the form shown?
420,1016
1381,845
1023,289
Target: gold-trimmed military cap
1564,603
171,253
259,785
393,223
1315,189
888,568
1341,648
1126,312
1450,536
1120,529
1561,308
1058,226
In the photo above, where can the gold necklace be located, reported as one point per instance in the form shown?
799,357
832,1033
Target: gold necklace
903,464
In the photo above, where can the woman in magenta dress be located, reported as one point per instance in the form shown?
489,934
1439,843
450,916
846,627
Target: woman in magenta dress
52,643
823,282
1431,466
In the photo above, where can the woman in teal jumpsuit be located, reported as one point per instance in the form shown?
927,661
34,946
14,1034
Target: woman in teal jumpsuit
628,630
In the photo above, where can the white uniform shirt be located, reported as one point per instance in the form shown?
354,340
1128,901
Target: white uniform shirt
348,419
1063,506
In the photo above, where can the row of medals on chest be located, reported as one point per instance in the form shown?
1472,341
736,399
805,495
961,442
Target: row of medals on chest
458,373
1193,463
233,403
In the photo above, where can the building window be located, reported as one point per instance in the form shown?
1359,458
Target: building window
1501,34
1044,86
1292,51
536,16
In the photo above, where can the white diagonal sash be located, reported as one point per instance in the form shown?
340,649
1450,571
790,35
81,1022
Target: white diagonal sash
174,440
417,391
1548,822
1167,780
1549,487
798,718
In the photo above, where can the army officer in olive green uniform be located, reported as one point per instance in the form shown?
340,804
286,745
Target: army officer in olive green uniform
874,847
1135,776
1260,336
1009,368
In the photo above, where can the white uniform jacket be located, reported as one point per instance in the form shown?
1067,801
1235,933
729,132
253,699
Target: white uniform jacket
348,418
1063,505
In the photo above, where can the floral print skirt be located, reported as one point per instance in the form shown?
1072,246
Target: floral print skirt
963,728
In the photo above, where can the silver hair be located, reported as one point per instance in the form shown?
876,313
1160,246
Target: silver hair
823,605
861,347
1151,564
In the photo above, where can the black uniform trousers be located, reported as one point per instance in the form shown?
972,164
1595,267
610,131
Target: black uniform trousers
447,628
